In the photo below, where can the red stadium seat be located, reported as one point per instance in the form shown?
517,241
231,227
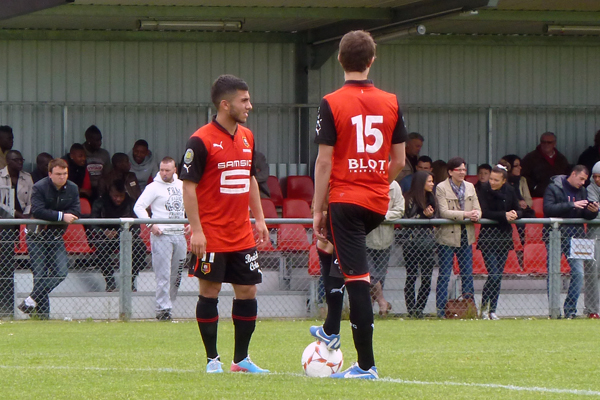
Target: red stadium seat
516,239
268,208
86,208
21,245
565,268
512,264
275,190
477,229
145,235
300,187
538,207
292,237
296,208
533,233
76,240
535,258
471,179
478,263
314,267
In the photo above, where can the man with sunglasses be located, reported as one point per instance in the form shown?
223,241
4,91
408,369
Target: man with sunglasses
542,164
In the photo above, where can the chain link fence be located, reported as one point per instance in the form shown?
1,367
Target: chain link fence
111,269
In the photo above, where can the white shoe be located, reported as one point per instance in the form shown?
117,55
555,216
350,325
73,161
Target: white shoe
493,316
485,315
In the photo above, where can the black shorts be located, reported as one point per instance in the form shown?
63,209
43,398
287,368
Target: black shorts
238,267
349,225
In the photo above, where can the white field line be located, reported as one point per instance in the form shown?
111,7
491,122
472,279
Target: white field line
535,389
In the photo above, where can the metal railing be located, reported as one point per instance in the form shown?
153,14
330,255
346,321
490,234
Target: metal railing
111,275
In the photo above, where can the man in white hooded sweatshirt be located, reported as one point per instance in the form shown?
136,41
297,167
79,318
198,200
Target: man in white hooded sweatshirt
169,248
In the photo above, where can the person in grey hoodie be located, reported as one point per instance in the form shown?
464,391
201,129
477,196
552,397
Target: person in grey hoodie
590,268
143,164
169,248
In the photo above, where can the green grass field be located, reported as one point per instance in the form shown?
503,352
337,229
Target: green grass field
430,359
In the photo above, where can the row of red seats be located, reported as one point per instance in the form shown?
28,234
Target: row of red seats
298,187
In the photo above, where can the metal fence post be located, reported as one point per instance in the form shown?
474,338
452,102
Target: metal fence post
554,280
125,249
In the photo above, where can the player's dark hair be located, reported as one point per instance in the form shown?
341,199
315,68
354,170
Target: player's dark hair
225,86
118,185
487,167
357,49
168,159
118,157
580,168
141,142
6,129
57,162
75,147
92,130
454,163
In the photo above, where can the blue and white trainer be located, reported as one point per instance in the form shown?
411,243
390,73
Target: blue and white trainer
355,372
333,341
214,366
246,365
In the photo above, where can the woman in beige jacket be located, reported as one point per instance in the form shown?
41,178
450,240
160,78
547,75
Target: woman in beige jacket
457,200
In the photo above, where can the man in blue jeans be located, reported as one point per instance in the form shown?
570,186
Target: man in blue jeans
54,198
566,197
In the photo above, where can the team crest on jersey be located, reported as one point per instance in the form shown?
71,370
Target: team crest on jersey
245,141
189,156
205,268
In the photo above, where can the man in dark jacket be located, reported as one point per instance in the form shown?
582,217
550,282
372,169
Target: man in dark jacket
566,197
542,164
53,198
591,155
105,238
78,172
120,170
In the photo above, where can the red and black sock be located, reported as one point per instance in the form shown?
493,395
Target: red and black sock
361,320
207,316
243,314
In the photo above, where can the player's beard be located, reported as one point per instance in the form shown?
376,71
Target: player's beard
238,115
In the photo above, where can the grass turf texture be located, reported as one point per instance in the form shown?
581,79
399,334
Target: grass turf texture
152,360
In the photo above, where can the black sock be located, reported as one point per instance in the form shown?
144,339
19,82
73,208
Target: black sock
361,320
243,314
207,316
334,296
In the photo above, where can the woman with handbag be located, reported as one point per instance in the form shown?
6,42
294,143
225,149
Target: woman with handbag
419,245
499,202
457,201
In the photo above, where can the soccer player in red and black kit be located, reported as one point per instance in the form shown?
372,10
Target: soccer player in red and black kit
361,135
218,186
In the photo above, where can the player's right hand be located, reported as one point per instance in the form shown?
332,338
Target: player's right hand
198,244
319,227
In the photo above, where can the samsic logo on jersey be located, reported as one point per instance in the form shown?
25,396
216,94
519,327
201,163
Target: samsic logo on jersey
362,165
234,164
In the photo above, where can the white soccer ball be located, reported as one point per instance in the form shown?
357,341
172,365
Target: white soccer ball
319,362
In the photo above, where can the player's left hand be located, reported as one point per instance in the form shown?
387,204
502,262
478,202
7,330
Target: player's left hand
263,232
319,228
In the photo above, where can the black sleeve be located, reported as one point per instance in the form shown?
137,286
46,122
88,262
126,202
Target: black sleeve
194,160
400,133
325,130
257,161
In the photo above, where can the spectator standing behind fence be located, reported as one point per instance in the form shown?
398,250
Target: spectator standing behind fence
120,170
590,267
499,202
78,172
6,143
169,248
41,167
262,174
419,245
53,198
105,238
379,242
457,200
591,155
12,177
98,159
423,164
566,197
143,164
542,164
413,148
